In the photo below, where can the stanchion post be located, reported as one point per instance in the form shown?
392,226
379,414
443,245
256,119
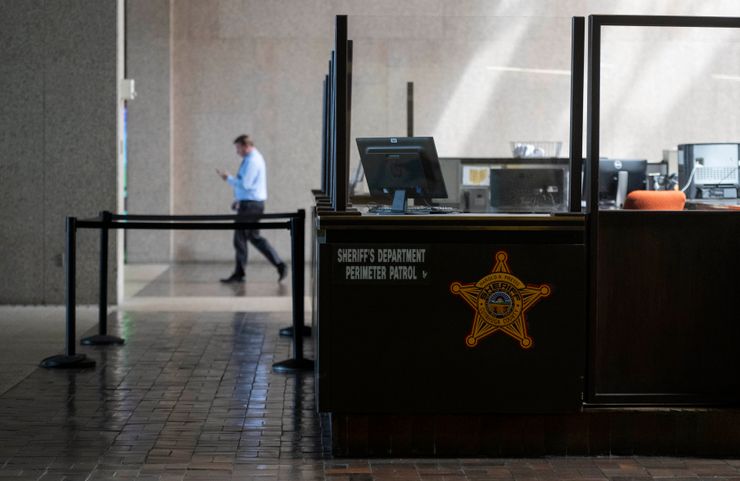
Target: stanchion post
299,268
297,265
298,363
103,304
102,338
70,293
70,359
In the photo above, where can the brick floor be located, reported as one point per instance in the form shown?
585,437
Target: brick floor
192,396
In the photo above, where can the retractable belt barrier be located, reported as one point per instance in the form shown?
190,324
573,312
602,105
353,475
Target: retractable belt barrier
108,220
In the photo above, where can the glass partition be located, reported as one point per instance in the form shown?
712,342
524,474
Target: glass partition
493,92
669,118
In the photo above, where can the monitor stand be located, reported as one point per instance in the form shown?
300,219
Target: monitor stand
399,202
622,178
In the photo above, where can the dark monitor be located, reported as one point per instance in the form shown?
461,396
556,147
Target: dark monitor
527,190
609,177
402,167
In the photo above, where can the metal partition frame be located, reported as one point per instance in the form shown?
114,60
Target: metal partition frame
595,22
324,137
409,109
334,193
340,171
577,40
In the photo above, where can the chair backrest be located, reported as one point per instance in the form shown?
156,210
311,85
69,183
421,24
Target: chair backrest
655,200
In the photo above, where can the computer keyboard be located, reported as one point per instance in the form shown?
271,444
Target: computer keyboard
414,210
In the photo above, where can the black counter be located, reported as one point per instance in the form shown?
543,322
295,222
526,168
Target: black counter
625,343
451,313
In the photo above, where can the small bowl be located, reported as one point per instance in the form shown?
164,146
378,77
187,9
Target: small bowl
535,148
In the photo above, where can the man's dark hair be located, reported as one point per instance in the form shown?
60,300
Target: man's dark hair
243,140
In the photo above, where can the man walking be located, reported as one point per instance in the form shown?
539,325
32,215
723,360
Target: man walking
250,193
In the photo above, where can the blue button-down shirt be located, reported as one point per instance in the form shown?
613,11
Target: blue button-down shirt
250,182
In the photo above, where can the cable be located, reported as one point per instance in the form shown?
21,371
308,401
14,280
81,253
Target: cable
691,177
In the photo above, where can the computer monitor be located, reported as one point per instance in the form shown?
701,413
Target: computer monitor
530,190
709,170
402,167
609,169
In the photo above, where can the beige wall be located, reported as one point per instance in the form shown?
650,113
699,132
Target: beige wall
663,88
149,121
57,143
257,66
245,67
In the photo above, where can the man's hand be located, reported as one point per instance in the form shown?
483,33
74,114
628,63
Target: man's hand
224,175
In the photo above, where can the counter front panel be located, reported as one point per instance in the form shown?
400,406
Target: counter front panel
463,325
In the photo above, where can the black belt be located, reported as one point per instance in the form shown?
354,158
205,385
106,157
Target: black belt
251,202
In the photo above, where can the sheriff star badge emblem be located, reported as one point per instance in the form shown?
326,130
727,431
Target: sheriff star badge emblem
500,301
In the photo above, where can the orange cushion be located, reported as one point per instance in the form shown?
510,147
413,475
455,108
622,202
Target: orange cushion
655,200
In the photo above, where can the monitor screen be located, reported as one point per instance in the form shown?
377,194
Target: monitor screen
527,190
402,164
716,164
609,176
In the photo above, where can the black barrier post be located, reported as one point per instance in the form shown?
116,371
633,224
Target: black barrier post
70,359
303,329
298,363
102,338
288,331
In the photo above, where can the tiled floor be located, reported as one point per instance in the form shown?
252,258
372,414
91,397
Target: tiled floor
200,279
191,396
29,334
196,287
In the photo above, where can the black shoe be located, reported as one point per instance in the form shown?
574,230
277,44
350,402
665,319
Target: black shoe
282,271
233,278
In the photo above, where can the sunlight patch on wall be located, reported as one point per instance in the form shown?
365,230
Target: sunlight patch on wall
469,102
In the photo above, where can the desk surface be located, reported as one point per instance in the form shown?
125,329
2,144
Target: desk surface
564,221
713,204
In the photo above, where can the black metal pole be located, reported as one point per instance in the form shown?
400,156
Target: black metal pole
103,305
298,362
103,339
409,109
348,121
576,113
593,113
298,268
332,149
341,160
70,293
297,239
70,359
324,135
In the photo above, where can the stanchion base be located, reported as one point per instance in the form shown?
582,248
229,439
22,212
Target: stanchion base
293,366
288,331
100,340
62,361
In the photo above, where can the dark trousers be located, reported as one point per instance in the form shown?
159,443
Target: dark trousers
249,211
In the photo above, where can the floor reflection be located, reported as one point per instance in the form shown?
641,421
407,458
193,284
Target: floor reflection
203,280
192,396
